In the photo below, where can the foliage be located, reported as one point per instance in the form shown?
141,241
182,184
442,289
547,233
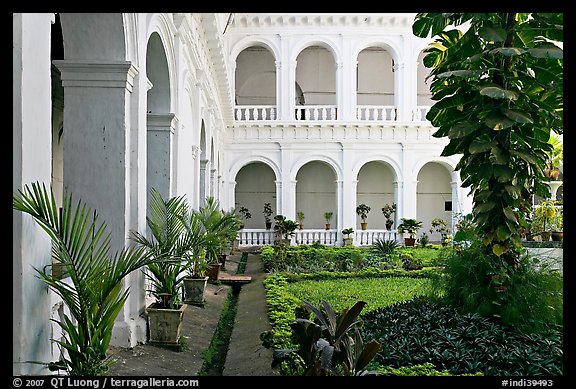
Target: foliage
424,369
328,216
267,212
544,219
94,294
300,216
409,226
348,231
498,88
284,227
244,213
218,227
440,226
362,210
409,262
424,239
556,155
284,291
419,331
384,247
169,244
313,258
330,344
388,210
531,298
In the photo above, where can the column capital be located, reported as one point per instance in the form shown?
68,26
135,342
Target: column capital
97,74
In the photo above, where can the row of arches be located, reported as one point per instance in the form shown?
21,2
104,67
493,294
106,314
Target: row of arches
317,191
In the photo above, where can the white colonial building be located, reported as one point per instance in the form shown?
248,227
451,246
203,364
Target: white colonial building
312,113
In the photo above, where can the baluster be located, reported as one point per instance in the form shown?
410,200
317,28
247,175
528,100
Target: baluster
298,114
333,113
272,113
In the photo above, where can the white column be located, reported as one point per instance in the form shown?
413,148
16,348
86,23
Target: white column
456,202
193,197
204,165
98,161
160,136
213,183
398,188
340,93
31,161
278,195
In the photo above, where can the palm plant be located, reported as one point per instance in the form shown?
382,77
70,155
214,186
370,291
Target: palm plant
170,244
219,228
94,295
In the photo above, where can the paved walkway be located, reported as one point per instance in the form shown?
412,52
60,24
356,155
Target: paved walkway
246,356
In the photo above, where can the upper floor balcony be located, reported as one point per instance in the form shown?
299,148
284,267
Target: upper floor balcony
364,113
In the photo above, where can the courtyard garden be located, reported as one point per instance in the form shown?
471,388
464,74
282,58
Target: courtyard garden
429,311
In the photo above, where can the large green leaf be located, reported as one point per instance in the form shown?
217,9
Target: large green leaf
496,92
494,34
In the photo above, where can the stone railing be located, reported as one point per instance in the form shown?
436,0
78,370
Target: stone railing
309,236
315,112
377,112
255,112
368,237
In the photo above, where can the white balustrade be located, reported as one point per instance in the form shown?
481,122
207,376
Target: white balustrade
255,237
310,236
368,237
376,112
316,112
420,112
255,112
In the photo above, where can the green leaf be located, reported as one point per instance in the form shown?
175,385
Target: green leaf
503,173
493,34
484,207
462,129
461,73
507,51
518,116
509,213
498,249
498,156
480,146
525,156
496,92
502,232
513,191
546,52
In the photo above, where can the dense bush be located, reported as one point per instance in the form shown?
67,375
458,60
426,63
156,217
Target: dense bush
528,298
313,258
420,331
425,369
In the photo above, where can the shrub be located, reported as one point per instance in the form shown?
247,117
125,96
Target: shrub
384,247
419,331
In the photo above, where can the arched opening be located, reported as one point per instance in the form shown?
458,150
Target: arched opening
433,197
255,186
203,162
57,53
375,85
316,194
159,119
316,77
375,189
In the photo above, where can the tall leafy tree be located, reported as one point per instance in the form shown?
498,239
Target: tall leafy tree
497,83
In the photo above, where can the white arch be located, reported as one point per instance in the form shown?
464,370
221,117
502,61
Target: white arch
390,46
377,158
448,163
312,158
160,24
271,45
317,40
235,168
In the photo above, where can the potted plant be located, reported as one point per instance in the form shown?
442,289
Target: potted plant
348,238
284,228
194,285
410,227
328,216
220,229
92,292
555,157
542,223
267,213
300,218
362,211
388,210
244,215
440,226
169,244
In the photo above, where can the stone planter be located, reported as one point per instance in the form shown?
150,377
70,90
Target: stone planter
213,271
194,290
164,324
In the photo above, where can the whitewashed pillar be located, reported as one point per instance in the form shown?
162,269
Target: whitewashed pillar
31,161
160,138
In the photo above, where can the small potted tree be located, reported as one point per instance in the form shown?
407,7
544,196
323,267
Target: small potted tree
267,213
362,211
410,227
388,210
440,226
244,214
300,218
348,238
328,216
